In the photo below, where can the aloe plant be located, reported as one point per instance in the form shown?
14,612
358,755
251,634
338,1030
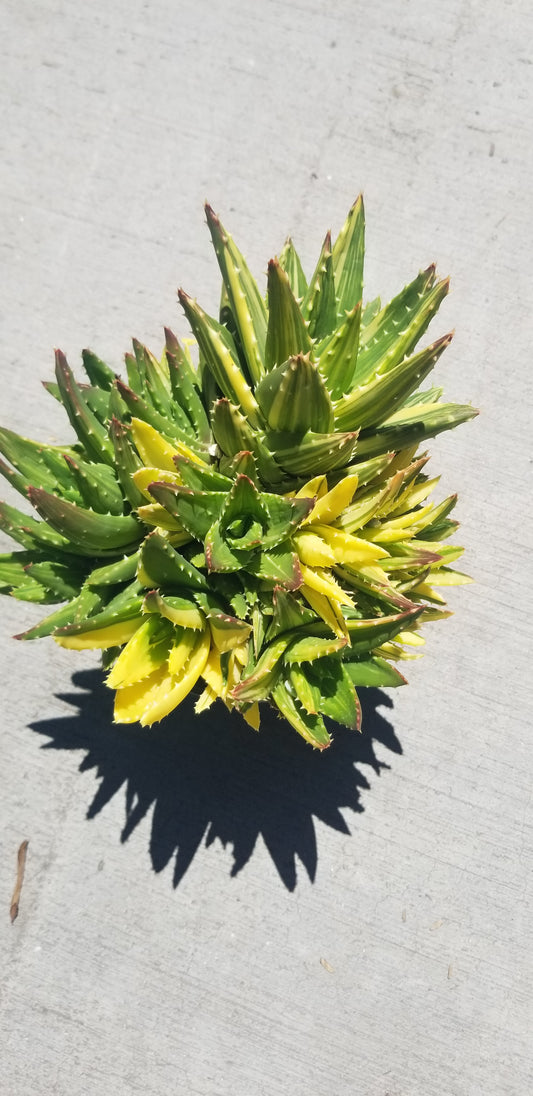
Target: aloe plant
255,525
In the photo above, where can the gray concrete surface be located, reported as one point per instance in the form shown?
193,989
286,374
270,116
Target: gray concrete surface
183,887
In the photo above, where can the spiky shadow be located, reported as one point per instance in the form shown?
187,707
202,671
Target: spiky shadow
212,777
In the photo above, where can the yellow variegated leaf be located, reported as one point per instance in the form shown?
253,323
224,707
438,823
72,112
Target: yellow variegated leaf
205,700
252,716
241,654
212,673
173,690
178,610
332,504
181,651
394,529
329,611
310,648
374,573
426,591
146,650
132,701
154,450
313,550
228,632
413,495
114,635
412,639
155,514
347,548
143,477
317,486
324,584
449,578
395,651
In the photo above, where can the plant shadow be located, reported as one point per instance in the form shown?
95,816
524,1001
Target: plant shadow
212,777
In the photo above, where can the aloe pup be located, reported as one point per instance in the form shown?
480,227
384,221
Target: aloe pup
257,526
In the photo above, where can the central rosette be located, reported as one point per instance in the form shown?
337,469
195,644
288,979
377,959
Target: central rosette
240,528
248,526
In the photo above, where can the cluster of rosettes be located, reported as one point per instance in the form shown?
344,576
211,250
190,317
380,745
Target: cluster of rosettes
254,526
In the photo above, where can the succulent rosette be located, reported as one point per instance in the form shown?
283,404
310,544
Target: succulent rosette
252,522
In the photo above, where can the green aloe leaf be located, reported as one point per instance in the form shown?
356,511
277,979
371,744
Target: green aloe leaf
293,397
135,373
116,612
283,517
245,300
67,614
396,330
370,310
199,477
126,461
13,568
279,565
96,399
369,404
319,306
243,464
233,435
243,501
230,428
19,482
289,613
227,631
35,593
155,375
221,358
337,355
366,635
266,672
92,435
97,486
32,534
99,374
93,534
287,333
374,672
289,262
220,555
312,453
168,427
310,727
195,510
413,425
181,611
62,579
348,259
428,396
38,464
184,386
309,648
162,565
121,570
338,698
307,693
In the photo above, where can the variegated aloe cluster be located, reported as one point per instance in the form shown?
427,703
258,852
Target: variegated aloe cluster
256,526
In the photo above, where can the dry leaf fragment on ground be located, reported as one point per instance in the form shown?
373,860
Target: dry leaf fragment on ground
21,864
327,966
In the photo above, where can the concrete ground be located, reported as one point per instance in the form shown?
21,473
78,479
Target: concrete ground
205,912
